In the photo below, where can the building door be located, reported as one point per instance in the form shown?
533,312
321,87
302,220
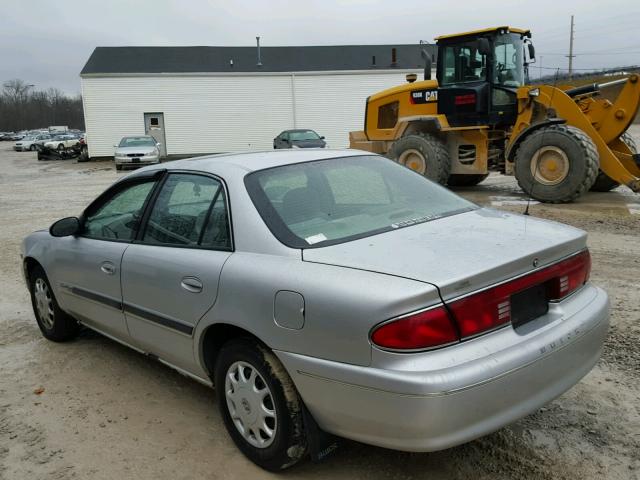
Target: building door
154,126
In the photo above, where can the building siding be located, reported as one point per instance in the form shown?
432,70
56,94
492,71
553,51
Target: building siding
221,113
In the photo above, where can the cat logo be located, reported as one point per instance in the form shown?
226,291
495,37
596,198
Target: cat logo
424,96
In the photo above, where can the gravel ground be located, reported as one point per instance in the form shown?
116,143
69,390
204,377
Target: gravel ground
94,409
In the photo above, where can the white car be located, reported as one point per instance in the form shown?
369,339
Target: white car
30,141
61,142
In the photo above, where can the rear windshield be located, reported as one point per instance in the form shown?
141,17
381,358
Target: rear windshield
325,202
137,142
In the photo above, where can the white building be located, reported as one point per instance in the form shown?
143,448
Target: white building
218,99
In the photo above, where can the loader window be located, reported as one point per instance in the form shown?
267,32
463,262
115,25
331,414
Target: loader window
463,63
508,65
388,115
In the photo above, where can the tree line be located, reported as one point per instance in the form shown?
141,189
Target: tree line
24,108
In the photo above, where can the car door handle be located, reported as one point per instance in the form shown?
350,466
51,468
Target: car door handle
191,284
108,268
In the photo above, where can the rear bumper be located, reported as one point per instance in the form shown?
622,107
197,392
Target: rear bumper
434,409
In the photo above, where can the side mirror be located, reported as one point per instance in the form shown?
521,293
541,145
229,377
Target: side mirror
158,144
65,227
532,51
484,47
322,137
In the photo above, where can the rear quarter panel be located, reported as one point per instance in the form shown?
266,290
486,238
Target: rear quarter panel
341,304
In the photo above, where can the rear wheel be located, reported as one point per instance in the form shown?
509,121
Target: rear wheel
458,180
603,182
425,154
54,324
556,164
60,147
259,404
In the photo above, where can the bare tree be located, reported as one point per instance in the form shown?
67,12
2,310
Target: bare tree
22,108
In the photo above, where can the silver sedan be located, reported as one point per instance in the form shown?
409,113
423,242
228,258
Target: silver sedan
327,293
136,151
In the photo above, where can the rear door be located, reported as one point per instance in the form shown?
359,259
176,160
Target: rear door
170,275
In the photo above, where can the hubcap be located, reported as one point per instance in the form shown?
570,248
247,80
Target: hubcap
549,165
413,159
250,404
44,303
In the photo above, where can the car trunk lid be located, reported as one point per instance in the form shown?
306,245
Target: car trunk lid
461,253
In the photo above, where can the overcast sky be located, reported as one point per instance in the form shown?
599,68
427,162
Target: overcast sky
47,43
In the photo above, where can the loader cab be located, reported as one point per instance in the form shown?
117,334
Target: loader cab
479,74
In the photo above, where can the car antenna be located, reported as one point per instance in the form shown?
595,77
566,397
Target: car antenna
533,184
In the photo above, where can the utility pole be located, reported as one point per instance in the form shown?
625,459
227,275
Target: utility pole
571,55
540,66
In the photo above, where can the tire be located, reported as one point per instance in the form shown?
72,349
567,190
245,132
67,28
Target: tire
578,160
54,324
603,182
287,445
458,180
429,154
32,148
118,167
60,147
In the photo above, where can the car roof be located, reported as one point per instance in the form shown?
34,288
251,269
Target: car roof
245,162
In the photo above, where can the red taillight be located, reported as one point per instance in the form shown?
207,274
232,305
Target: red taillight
491,308
480,312
426,329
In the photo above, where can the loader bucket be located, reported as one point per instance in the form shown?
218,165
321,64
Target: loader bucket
605,122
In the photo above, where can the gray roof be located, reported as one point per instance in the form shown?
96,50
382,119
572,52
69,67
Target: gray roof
136,60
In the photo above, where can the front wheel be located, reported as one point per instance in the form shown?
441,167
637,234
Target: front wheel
55,324
32,148
60,147
556,164
259,404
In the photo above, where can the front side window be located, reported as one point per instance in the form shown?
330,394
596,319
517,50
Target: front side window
336,200
463,63
190,211
118,217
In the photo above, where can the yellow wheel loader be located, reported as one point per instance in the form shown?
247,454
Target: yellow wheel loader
482,115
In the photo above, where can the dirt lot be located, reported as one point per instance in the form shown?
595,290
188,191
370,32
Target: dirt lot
107,412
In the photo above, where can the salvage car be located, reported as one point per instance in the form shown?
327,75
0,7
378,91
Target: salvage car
31,142
136,151
300,138
62,142
326,291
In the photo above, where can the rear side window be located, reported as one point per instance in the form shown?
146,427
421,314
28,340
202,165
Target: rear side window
119,216
190,210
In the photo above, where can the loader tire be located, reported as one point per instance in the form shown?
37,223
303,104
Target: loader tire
457,180
557,164
604,183
425,154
